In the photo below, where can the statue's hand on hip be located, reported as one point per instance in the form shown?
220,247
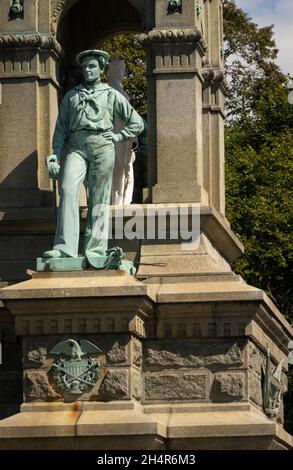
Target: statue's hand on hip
52,163
112,137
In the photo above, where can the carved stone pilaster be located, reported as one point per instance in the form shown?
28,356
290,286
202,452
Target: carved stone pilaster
174,50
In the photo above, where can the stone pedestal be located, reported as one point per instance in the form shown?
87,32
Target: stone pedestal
182,358
183,343
185,70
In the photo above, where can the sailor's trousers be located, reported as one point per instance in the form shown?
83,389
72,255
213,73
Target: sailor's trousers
89,157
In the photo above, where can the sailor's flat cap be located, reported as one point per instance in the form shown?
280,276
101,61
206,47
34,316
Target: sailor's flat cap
93,53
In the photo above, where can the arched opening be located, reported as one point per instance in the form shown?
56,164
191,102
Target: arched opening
87,24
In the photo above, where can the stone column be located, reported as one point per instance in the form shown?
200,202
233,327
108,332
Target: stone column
185,71
213,105
28,61
175,49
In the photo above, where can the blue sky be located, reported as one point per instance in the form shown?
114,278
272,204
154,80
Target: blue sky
280,14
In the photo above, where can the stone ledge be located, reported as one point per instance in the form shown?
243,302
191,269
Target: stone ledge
89,284
220,291
50,407
90,302
216,424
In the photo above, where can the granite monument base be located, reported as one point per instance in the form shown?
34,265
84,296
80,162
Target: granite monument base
182,361
130,426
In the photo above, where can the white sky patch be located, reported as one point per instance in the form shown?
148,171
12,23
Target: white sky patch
280,14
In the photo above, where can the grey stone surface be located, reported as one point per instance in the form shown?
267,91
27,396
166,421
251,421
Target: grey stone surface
228,387
37,356
255,358
284,382
175,386
136,384
116,351
193,354
136,352
35,350
255,390
280,417
115,386
37,387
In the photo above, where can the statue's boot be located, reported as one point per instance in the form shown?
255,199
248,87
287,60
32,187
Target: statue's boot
54,254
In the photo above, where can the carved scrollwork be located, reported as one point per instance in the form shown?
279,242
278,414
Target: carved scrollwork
211,75
56,10
208,74
172,35
8,41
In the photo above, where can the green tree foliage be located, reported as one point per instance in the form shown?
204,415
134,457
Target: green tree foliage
259,143
259,167
259,188
250,52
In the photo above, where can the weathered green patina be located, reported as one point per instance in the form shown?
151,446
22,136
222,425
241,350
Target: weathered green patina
114,259
83,146
175,6
198,8
16,10
74,371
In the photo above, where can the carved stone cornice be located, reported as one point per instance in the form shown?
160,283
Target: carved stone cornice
217,77
159,36
24,41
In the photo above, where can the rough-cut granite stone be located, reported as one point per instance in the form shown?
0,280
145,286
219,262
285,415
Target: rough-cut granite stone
37,356
228,387
175,387
136,384
116,353
256,358
193,354
115,386
38,388
136,352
